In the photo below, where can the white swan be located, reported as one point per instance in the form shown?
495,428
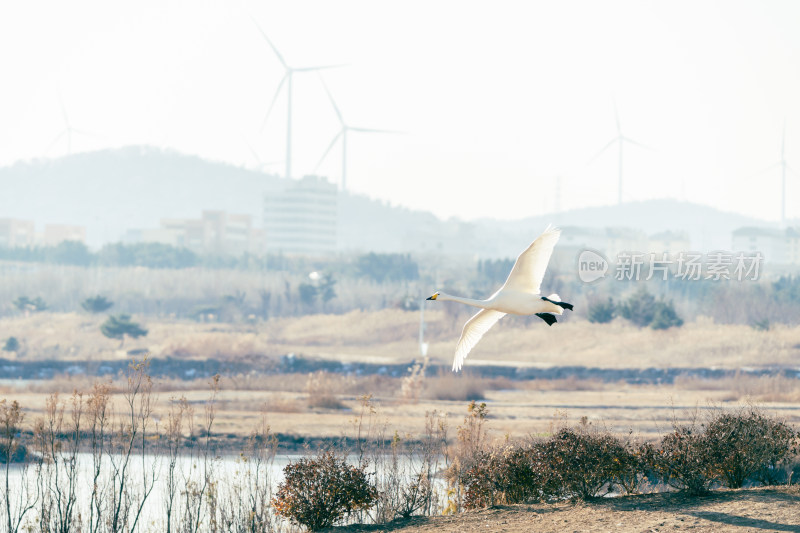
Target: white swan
519,295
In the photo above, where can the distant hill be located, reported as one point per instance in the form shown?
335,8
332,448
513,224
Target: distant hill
111,191
708,228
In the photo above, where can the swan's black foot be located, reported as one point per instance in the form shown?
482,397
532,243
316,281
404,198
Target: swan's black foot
547,317
563,305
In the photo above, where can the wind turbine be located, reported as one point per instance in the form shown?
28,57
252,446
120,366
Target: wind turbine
287,79
784,167
343,135
620,139
68,129
783,175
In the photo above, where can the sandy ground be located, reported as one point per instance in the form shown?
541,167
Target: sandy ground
769,509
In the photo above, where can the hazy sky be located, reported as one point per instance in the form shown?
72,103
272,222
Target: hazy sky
496,99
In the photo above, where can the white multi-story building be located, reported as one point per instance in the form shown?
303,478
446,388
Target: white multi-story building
302,218
779,246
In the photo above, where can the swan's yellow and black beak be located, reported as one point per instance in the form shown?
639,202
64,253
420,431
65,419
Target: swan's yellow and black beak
435,294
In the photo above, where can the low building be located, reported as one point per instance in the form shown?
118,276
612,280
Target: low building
215,232
16,233
58,233
669,242
608,241
793,249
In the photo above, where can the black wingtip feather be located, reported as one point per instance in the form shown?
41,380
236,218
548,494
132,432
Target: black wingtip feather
547,317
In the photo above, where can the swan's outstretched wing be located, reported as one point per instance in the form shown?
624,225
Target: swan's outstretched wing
472,333
528,271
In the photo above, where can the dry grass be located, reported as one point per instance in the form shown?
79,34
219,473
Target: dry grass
517,408
570,383
620,345
744,386
451,387
390,336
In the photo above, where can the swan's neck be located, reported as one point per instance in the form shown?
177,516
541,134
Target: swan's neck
469,301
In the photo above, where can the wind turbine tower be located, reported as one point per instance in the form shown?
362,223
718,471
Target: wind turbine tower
783,175
343,135
287,79
620,139
557,205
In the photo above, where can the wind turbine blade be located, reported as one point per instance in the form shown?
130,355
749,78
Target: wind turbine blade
783,139
53,143
627,140
321,67
327,151
793,171
333,102
606,147
616,117
274,99
63,109
371,130
253,152
85,133
263,34
764,170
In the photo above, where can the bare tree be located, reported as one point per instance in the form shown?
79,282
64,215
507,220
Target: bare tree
57,443
15,504
99,413
126,504
204,490
179,414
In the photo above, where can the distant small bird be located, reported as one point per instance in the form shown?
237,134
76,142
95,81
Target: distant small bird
519,295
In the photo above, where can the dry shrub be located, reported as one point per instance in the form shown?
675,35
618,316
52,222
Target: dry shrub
741,385
684,459
577,462
411,385
61,383
449,386
197,343
746,443
320,491
320,390
506,475
284,405
469,449
586,462
353,328
570,383
730,447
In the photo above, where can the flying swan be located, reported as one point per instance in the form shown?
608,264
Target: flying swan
519,295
